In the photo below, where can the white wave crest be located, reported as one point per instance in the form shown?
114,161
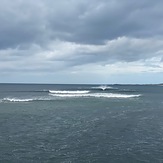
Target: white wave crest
103,87
69,92
114,95
17,100
104,95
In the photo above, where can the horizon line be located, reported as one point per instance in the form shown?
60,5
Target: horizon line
83,83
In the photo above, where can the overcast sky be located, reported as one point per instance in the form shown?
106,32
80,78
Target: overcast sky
81,41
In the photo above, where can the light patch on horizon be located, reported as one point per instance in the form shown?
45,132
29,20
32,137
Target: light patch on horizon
72,54
152,65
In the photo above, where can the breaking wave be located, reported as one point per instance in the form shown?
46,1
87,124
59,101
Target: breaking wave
57,94
103,87
104,95
69,92
48,98
71,95
17,100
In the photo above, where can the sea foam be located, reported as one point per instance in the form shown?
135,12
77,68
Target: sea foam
17,100
98,95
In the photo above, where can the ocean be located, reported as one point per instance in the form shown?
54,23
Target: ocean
50,123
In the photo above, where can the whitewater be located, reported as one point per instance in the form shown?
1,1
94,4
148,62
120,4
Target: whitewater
45,94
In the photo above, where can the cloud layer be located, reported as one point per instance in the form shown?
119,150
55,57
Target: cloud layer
72,37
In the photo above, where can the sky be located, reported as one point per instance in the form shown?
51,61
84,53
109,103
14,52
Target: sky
81,41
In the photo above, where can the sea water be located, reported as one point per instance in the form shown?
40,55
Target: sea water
81,123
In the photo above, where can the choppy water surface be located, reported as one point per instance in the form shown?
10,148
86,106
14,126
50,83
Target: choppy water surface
81,123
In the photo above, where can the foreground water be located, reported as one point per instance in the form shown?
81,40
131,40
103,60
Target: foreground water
81,123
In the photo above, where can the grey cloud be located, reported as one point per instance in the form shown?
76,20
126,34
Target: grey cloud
101,32
93,22
106,20
122,49
21,23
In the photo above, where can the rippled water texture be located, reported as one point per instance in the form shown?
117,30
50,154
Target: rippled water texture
81,123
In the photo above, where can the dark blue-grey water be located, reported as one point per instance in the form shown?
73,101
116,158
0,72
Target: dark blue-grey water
81,123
